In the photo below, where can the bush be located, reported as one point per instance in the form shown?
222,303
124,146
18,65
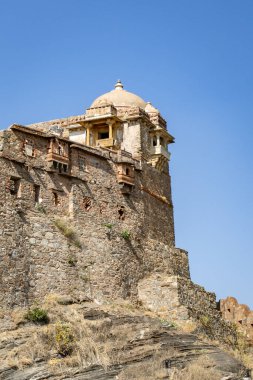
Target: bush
37,315
125,234
64,339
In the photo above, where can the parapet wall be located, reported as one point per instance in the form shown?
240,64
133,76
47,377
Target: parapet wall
179,299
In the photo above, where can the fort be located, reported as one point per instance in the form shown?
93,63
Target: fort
87,213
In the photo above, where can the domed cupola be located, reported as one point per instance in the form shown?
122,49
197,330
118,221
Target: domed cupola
119,98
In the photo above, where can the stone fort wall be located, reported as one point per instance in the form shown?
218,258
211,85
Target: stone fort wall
240,315
80,232
37,258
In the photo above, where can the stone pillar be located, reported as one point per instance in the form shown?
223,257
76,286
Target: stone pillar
88,135
110,129
158,140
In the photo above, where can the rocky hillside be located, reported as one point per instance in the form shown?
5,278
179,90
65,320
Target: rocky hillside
118,341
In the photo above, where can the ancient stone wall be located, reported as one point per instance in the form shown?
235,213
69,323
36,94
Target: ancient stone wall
80,232
239,314
77,233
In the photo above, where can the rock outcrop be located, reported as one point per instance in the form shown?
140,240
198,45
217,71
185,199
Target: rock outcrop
115,342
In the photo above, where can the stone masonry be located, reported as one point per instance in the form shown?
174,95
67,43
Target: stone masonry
239,314
86,211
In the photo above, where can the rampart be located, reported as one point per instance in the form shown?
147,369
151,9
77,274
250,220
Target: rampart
86,211
239,314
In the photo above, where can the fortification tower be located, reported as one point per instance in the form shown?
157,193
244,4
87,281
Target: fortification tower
86,210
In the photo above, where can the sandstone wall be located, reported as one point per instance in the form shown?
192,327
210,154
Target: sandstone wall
97,261
239,314
177,298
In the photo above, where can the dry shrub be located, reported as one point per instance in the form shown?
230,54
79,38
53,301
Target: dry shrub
26,354
85,341
68,232
246,357
247,360
200,369
148,370
187,326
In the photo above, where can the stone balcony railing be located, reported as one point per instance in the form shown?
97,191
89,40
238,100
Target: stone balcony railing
107,110
105,143
52,156
123,178
160,150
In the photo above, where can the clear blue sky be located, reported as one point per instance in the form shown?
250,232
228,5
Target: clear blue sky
194,61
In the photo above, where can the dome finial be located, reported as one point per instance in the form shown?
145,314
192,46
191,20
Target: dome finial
118,85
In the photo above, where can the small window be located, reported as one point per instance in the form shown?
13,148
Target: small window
55,199
121,211
229,310
14,187
36,190
61,168
55,165
87,203
127,171
103,135
154,141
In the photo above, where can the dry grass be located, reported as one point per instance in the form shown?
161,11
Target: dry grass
201,369
68,232
87,342
78,343
246,357
188,326
148,370
95,342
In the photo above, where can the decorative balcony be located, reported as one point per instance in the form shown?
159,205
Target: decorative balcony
125,174
123,178
52,156
58,151
160,150
105,143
